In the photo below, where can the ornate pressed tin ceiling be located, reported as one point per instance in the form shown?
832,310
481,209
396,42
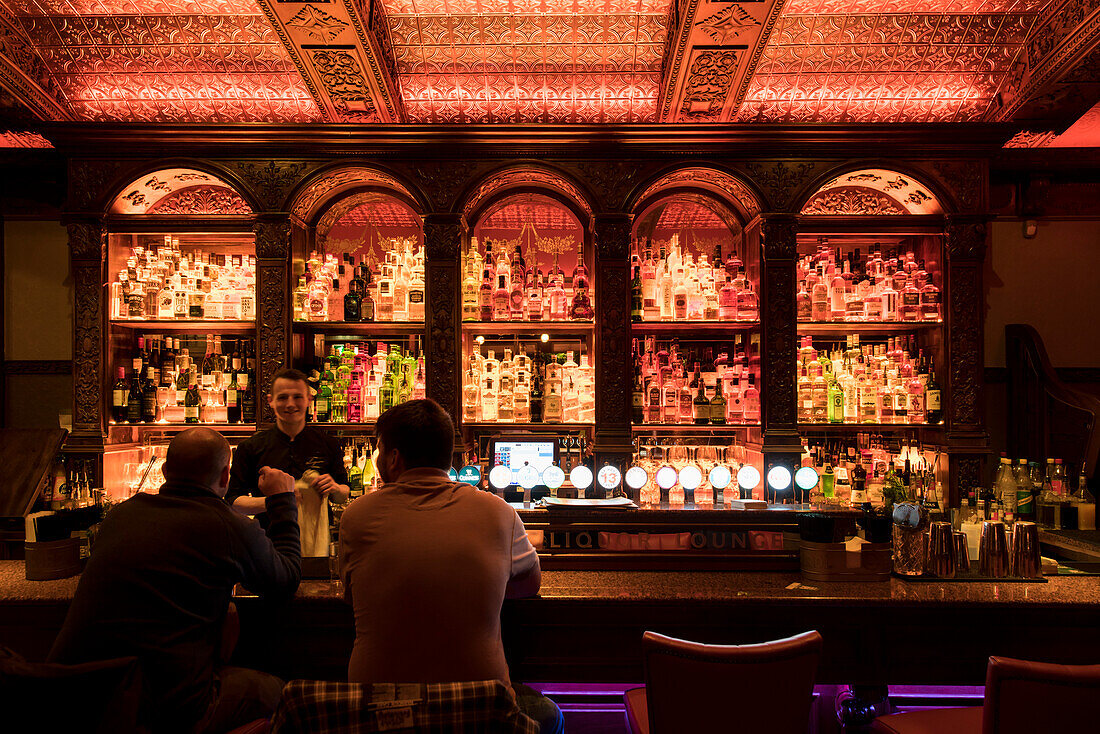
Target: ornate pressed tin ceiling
551,61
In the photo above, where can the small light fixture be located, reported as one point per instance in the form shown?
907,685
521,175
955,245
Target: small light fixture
480,339
1031,228
544,338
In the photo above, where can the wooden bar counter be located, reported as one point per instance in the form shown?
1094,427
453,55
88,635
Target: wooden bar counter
587,625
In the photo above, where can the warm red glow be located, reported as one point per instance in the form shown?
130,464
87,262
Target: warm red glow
724,186
523,176
23,139
688,215
167,60
874,61
550,61
542,213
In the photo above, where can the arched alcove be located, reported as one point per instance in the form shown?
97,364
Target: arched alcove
873,192
179,191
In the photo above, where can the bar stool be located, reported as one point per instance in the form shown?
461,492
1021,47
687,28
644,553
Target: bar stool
692,687
1021,697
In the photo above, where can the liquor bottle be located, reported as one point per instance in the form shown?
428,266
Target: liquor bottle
637,308
837,290
930,307
637,402
192,400
353,303
701,407
119,395
534,296
836,402
933,399
149,405
367,304
233,400
752,400
415,310
558,304
910,302
718,407
536,398
501,310
517,297
819,301
552,401
471,307
245,382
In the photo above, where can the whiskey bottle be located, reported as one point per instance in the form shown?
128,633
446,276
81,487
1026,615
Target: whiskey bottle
233,400
637,401
718,407
701,407
933,399
637,310
353,302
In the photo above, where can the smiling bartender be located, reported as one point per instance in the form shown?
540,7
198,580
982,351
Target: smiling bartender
290,446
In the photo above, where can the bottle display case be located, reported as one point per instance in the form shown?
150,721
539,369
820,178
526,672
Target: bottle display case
641,346
358,301
527,319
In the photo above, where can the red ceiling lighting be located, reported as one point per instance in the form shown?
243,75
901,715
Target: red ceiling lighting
166,60
547,61
886,61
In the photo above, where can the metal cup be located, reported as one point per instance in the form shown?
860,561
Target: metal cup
941,551
1026,559
962,552
993,550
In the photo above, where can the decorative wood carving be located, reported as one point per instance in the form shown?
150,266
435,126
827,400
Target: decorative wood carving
852,200
201,200
965,245
779,342
965,179
332,181
719,182
612,181
274,321
272,240
967,475
521,176
781,180
87,245
272,294
442,241
614,372
270,181
90,181
443,180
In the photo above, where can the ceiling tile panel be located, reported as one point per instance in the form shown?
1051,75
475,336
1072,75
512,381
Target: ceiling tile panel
545,61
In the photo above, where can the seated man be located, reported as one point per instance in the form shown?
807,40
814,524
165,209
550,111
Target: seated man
158,584
427,564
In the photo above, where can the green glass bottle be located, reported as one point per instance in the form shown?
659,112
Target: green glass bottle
836,402
387,393
828,480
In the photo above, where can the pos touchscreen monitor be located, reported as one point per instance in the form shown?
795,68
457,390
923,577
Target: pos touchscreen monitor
522,453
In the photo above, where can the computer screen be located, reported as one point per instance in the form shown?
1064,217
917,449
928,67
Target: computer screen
515,454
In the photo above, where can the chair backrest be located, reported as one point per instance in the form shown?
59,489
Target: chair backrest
692,687
315,707
102,696
1022,697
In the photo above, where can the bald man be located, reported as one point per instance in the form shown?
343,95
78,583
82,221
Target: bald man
158,586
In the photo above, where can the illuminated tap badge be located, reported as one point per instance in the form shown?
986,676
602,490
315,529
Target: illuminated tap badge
690,477
470,475
609,477
720,477
636,477
528,476
452,474
553,477
581,476
500,476
666,477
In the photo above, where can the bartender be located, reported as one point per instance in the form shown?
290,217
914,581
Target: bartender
306,453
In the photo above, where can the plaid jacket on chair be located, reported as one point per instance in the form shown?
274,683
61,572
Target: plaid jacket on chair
481,707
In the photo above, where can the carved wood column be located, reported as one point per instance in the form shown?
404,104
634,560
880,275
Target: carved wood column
88,253
964,403
613,359
273,305
779,347
442,240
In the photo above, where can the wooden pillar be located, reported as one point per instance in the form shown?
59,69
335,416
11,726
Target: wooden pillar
443,235
273,305
779,347
964,300
88,262
612,358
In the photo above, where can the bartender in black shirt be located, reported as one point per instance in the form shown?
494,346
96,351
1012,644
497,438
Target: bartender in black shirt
291,446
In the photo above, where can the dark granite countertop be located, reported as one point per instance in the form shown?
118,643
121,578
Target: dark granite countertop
698,586
1083,541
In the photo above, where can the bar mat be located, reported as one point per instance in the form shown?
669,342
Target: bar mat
969,577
